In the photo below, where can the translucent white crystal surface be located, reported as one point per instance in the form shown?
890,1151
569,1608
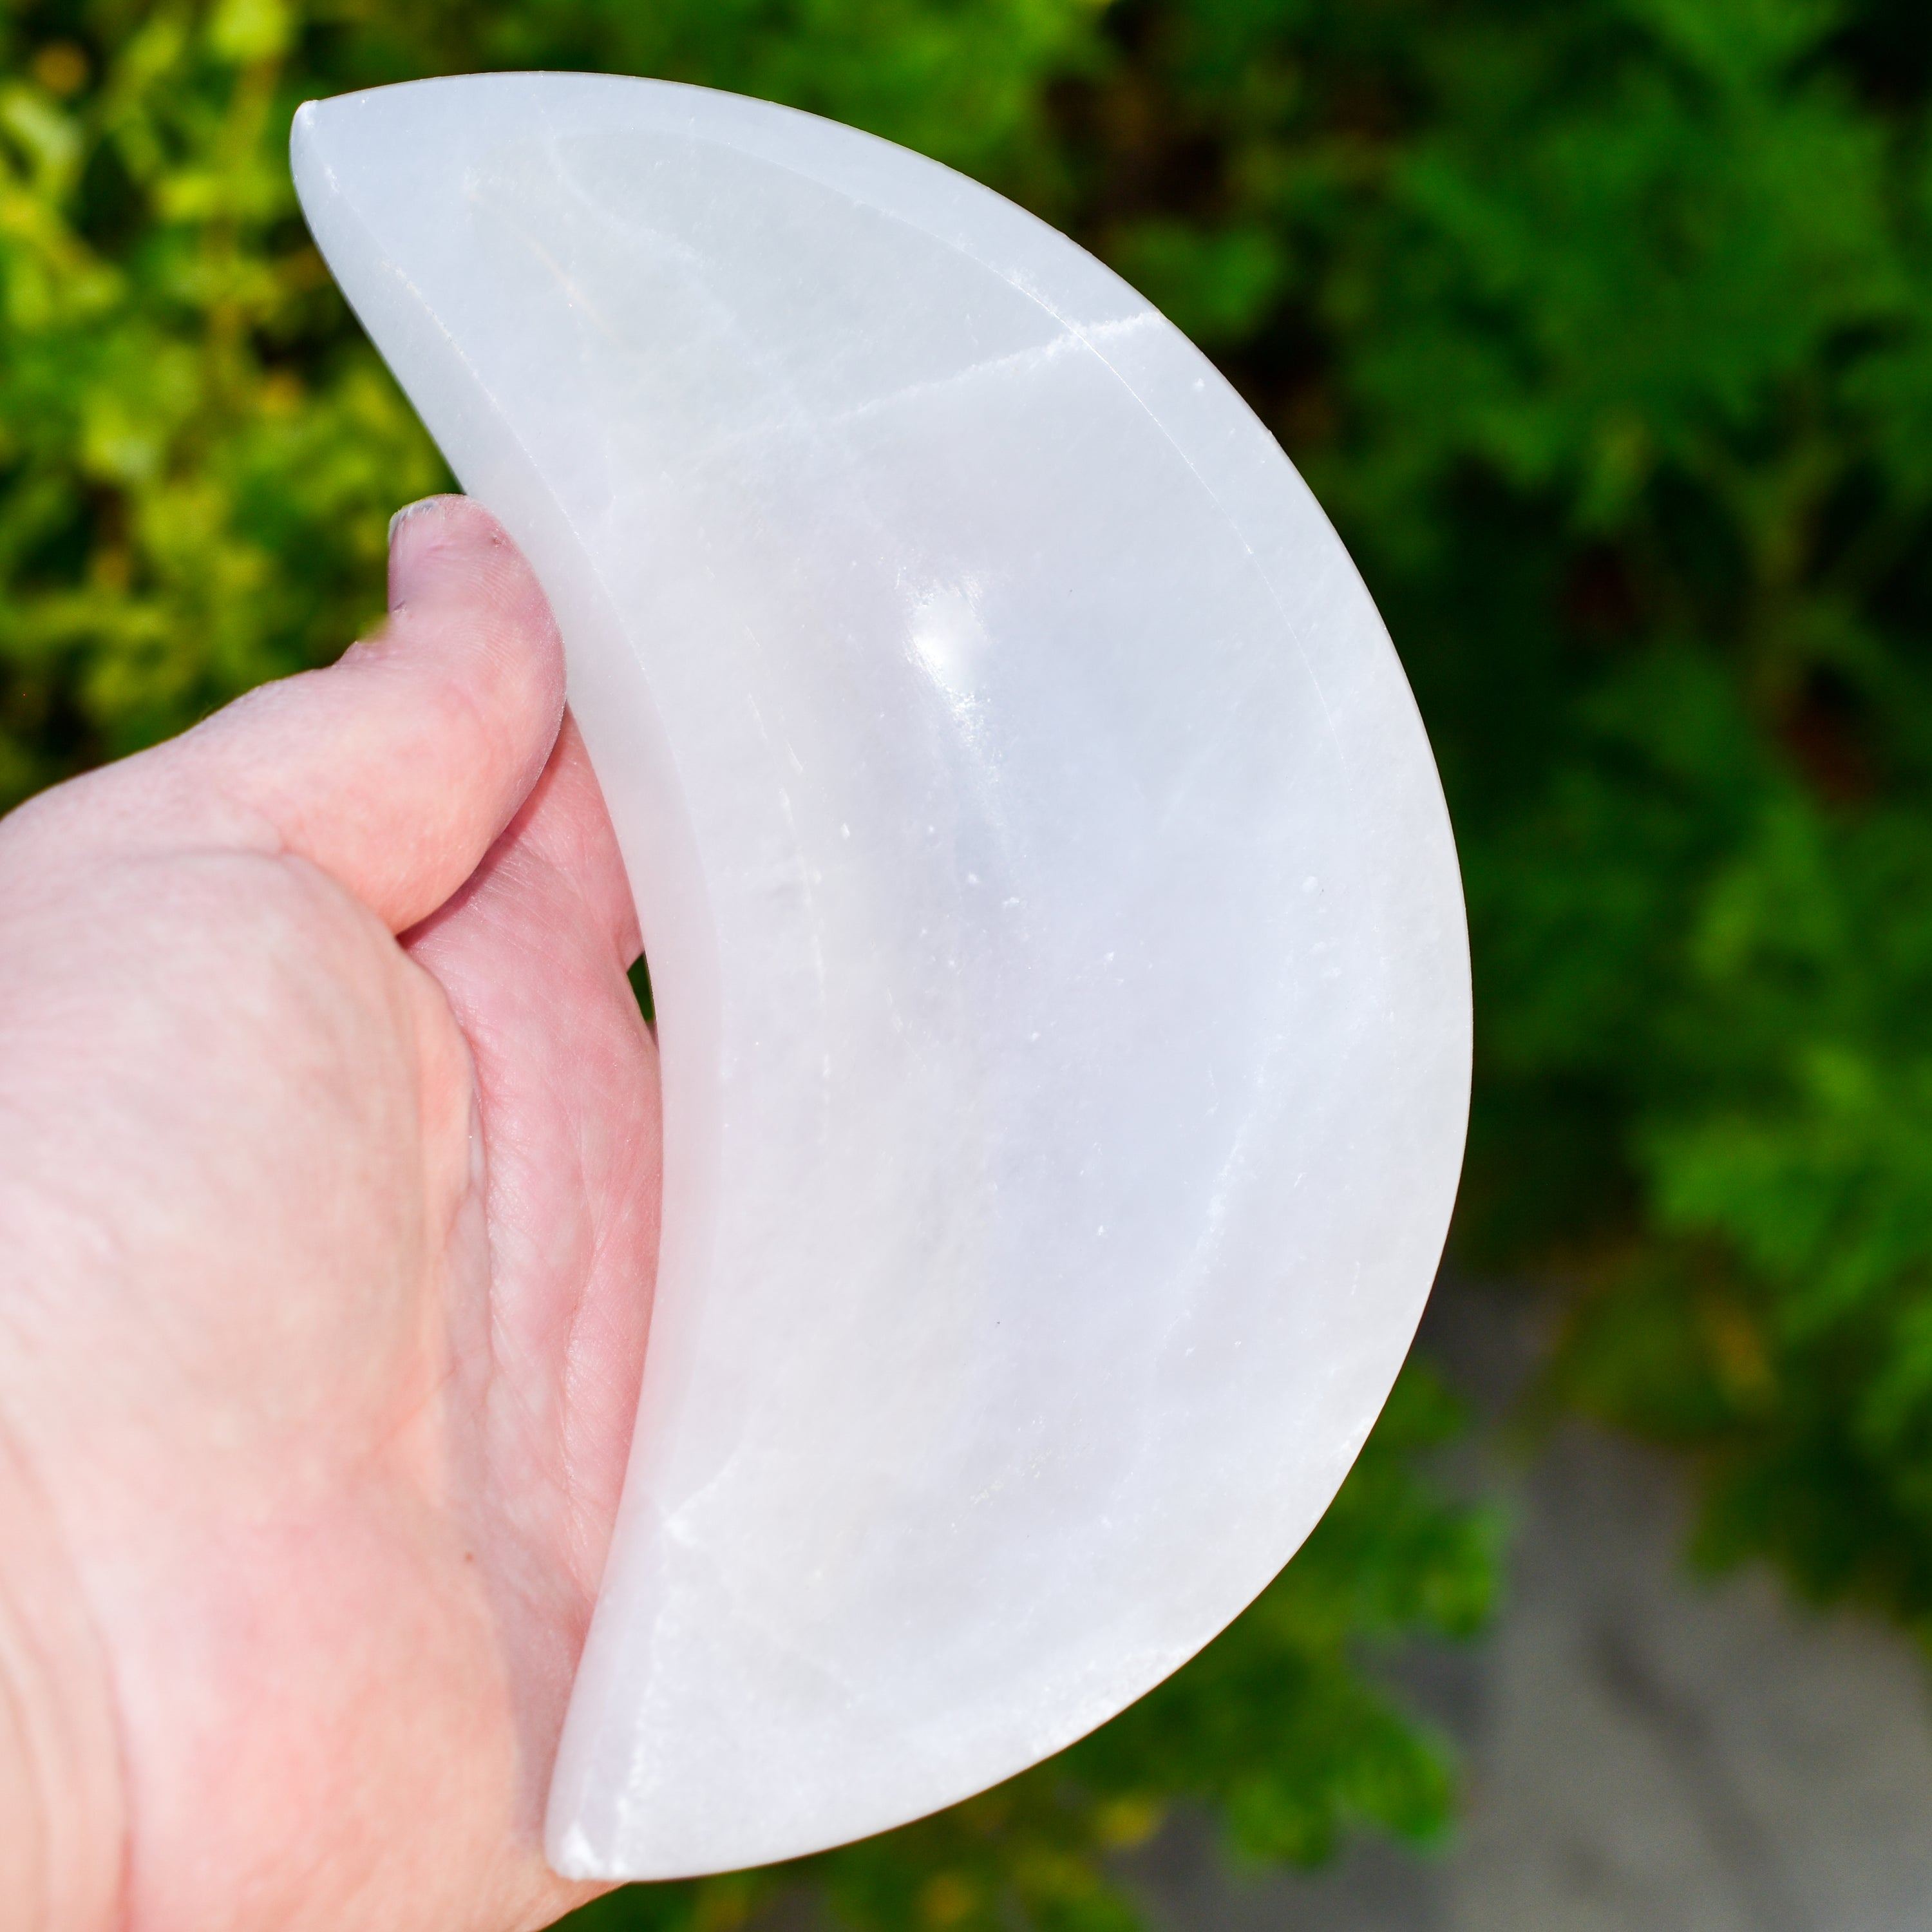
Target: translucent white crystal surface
1057,934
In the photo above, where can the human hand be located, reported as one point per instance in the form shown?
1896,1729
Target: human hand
328,1196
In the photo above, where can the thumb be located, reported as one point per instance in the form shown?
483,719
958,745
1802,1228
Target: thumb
394,770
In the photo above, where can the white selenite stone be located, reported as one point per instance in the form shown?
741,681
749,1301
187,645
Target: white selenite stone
1058,943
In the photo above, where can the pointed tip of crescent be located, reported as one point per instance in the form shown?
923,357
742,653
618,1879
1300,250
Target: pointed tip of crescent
305,162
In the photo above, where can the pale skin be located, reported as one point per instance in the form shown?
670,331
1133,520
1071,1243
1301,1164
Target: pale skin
329,1201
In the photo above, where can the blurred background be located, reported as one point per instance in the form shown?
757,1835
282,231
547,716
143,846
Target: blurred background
1603,329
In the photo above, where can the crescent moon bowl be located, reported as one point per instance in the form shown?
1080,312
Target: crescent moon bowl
1052,911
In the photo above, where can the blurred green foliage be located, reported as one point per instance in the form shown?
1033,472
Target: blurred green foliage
1603,329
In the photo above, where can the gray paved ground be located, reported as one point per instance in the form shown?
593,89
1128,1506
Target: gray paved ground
1646,1753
